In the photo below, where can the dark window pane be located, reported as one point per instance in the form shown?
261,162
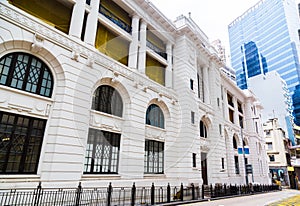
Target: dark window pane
155,116
107,99
26,72
203,130
154,157
102,152
20,143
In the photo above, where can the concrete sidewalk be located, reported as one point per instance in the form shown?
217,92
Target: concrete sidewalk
264,199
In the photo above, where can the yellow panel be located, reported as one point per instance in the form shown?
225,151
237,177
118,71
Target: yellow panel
112,45
155,41
290,169
155,70
116,10
50,11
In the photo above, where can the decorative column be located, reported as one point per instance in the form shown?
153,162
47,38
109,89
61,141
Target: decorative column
169,69
133,48
206,85
92,22
142,51
77,19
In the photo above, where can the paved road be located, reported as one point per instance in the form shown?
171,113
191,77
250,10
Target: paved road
252,200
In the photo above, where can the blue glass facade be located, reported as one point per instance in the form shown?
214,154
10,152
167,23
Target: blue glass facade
261,41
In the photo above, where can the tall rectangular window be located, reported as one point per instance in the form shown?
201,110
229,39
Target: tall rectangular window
198,82
102,152
194,159
272,158
269,146
192,84
154,157
236,164
231,115
193,117
21,139
223,163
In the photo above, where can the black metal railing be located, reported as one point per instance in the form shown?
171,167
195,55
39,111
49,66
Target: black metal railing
116,20
110,195
156,49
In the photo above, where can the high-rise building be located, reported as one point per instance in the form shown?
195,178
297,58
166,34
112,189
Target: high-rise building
265,38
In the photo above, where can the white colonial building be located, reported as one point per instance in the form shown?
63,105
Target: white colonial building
102,91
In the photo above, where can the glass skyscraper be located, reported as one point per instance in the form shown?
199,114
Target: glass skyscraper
266,38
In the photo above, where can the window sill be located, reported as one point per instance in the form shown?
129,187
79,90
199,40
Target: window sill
100,176
148,176
19,178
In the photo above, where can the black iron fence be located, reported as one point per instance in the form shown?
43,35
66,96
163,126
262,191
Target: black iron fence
109,196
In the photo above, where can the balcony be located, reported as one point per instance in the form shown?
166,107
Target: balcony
116,20
156,50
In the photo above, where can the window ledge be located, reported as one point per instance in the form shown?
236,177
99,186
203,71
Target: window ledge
154,127
148,176
21,178
100,176
106,114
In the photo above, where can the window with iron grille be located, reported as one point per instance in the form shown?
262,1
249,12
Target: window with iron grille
102,152
155,116
26,72
21,139
107,99
154,157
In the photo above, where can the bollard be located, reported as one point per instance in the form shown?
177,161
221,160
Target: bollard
133,192
193,191
181,192
109,193
168,193
152,194
38,193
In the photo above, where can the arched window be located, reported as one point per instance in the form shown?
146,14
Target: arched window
203,130
107,99
155,116
26,72
234,143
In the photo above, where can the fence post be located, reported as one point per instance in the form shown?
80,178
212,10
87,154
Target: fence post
181,192
78,193
152,194
109,191
211,191
38,193
193,191
225,188
168,193
133,191
202,191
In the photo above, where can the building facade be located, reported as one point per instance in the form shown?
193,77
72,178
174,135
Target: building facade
282,107
112,91
265,38
277,145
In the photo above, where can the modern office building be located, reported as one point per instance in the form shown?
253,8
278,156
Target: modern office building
113,91
265,38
